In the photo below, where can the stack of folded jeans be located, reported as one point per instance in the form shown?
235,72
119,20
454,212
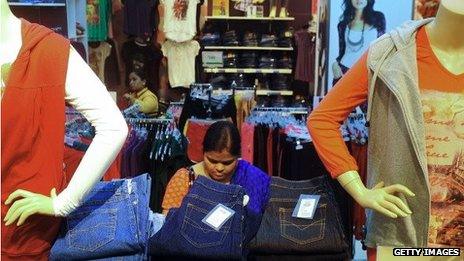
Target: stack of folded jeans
279,101
230,38
249,60
279,82
185,235
250,39
267,61
112,223
282,234
268,40
285,63
230,60
211,39
285,38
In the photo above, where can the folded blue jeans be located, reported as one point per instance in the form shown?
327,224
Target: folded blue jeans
281,234
113,221
185,235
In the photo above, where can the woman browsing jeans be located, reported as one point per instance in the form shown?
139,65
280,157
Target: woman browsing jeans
359,25
221,163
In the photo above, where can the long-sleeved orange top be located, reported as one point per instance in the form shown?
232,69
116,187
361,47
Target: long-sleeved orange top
442,95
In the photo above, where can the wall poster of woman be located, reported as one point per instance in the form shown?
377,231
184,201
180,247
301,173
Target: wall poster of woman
354,24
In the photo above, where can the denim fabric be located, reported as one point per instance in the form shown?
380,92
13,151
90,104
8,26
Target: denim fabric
113,221
185,235
280,233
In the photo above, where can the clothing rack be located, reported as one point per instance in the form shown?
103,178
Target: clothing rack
148,120
291,110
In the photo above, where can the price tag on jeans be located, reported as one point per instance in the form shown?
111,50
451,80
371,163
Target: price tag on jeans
306,206
218,216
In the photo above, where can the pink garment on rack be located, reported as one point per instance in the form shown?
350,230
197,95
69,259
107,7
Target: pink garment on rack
247,134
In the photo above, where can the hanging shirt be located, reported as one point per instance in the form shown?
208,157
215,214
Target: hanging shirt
305,58
98,14
443,107
180,23
139,17
97,59
136,55
181,62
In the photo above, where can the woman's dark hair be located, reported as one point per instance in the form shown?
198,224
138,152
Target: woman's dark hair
222,135
370,17
140,73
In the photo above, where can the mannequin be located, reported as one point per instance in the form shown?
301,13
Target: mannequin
447,41
413,85
32,167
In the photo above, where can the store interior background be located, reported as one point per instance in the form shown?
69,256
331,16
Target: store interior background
302,10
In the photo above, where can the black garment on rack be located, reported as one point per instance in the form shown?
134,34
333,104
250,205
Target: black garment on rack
112,77
198,109
260,147
146,56
139,17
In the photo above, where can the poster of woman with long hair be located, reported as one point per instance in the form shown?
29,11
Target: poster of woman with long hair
354,24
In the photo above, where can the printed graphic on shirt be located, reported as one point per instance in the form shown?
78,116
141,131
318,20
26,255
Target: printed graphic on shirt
180,9
92,12
444,123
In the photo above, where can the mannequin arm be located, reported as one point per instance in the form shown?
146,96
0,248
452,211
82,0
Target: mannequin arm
88,95
379,198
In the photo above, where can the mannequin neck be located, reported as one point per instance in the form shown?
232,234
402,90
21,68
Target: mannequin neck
10,33
445,32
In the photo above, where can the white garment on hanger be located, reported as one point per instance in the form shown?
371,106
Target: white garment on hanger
181,62
180,19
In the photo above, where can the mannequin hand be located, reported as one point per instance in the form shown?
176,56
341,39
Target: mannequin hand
379,198
337,70
29,204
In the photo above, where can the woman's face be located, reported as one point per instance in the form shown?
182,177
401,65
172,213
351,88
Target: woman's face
359,4
220,166
135,82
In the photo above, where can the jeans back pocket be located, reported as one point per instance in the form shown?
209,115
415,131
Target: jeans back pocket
91,230
198,233
303,231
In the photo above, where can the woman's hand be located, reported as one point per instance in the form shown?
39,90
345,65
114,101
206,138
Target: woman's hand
29,204
337,70
379,198
128,96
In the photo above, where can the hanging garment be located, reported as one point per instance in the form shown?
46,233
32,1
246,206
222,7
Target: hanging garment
180,24
139,17
137,56
33,119
98,14
181,62
97,58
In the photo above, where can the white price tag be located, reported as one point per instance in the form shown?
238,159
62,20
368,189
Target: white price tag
306,206
218,216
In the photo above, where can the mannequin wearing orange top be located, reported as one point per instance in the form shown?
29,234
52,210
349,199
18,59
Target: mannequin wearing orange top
415,77
40,71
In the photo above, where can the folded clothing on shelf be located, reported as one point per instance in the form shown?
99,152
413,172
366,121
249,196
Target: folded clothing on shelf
267,61
268,40
230,38
211,39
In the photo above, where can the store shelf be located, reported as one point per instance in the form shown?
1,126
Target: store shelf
242,18
38,4
272,92
253,48
247,70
